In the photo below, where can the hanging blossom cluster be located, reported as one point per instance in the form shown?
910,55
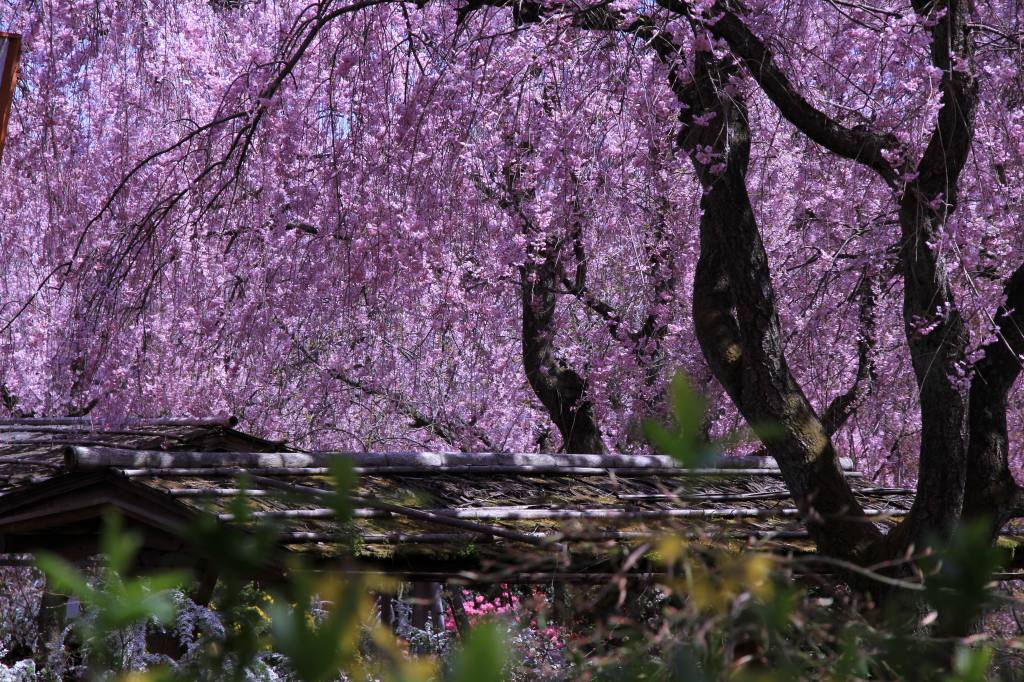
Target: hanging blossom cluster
334,254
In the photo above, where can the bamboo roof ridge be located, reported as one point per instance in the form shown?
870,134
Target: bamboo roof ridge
34,446
86,457
526,470
549,514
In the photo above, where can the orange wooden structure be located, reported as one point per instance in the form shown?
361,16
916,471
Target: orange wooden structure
10,52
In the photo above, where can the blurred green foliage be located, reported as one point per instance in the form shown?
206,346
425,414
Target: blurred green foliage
114,601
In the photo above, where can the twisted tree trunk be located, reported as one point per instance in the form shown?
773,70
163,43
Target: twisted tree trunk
738,327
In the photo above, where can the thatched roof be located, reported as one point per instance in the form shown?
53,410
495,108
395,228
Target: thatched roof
32,448
475,516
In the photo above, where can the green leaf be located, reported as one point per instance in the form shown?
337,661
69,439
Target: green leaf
344,476
958,574
971,665
664,441
317,651
63,577
483,656
681,439
119,547
687,407
117,601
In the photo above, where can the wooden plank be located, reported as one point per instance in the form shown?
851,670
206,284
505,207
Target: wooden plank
73,432
740,497
215,492
403,538
528,470
223,472
512,577
386,472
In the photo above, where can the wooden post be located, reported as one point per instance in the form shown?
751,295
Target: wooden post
10,53
426,599
426,608
202,593
437,607
454,596
386,603
50,623
561,609
164,642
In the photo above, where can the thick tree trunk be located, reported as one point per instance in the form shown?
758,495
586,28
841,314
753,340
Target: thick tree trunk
937,339
734,308
738,328
936,333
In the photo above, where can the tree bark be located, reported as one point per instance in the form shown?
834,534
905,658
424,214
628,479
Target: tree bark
561,390
991,493
842,407
734,311
50,624
738,327
935,332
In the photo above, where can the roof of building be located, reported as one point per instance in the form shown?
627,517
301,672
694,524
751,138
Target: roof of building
471,516
32,448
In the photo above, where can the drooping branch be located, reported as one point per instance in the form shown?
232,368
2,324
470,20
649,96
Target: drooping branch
459,434
661,260
560,388
645,340
246,121
617,327
614,323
